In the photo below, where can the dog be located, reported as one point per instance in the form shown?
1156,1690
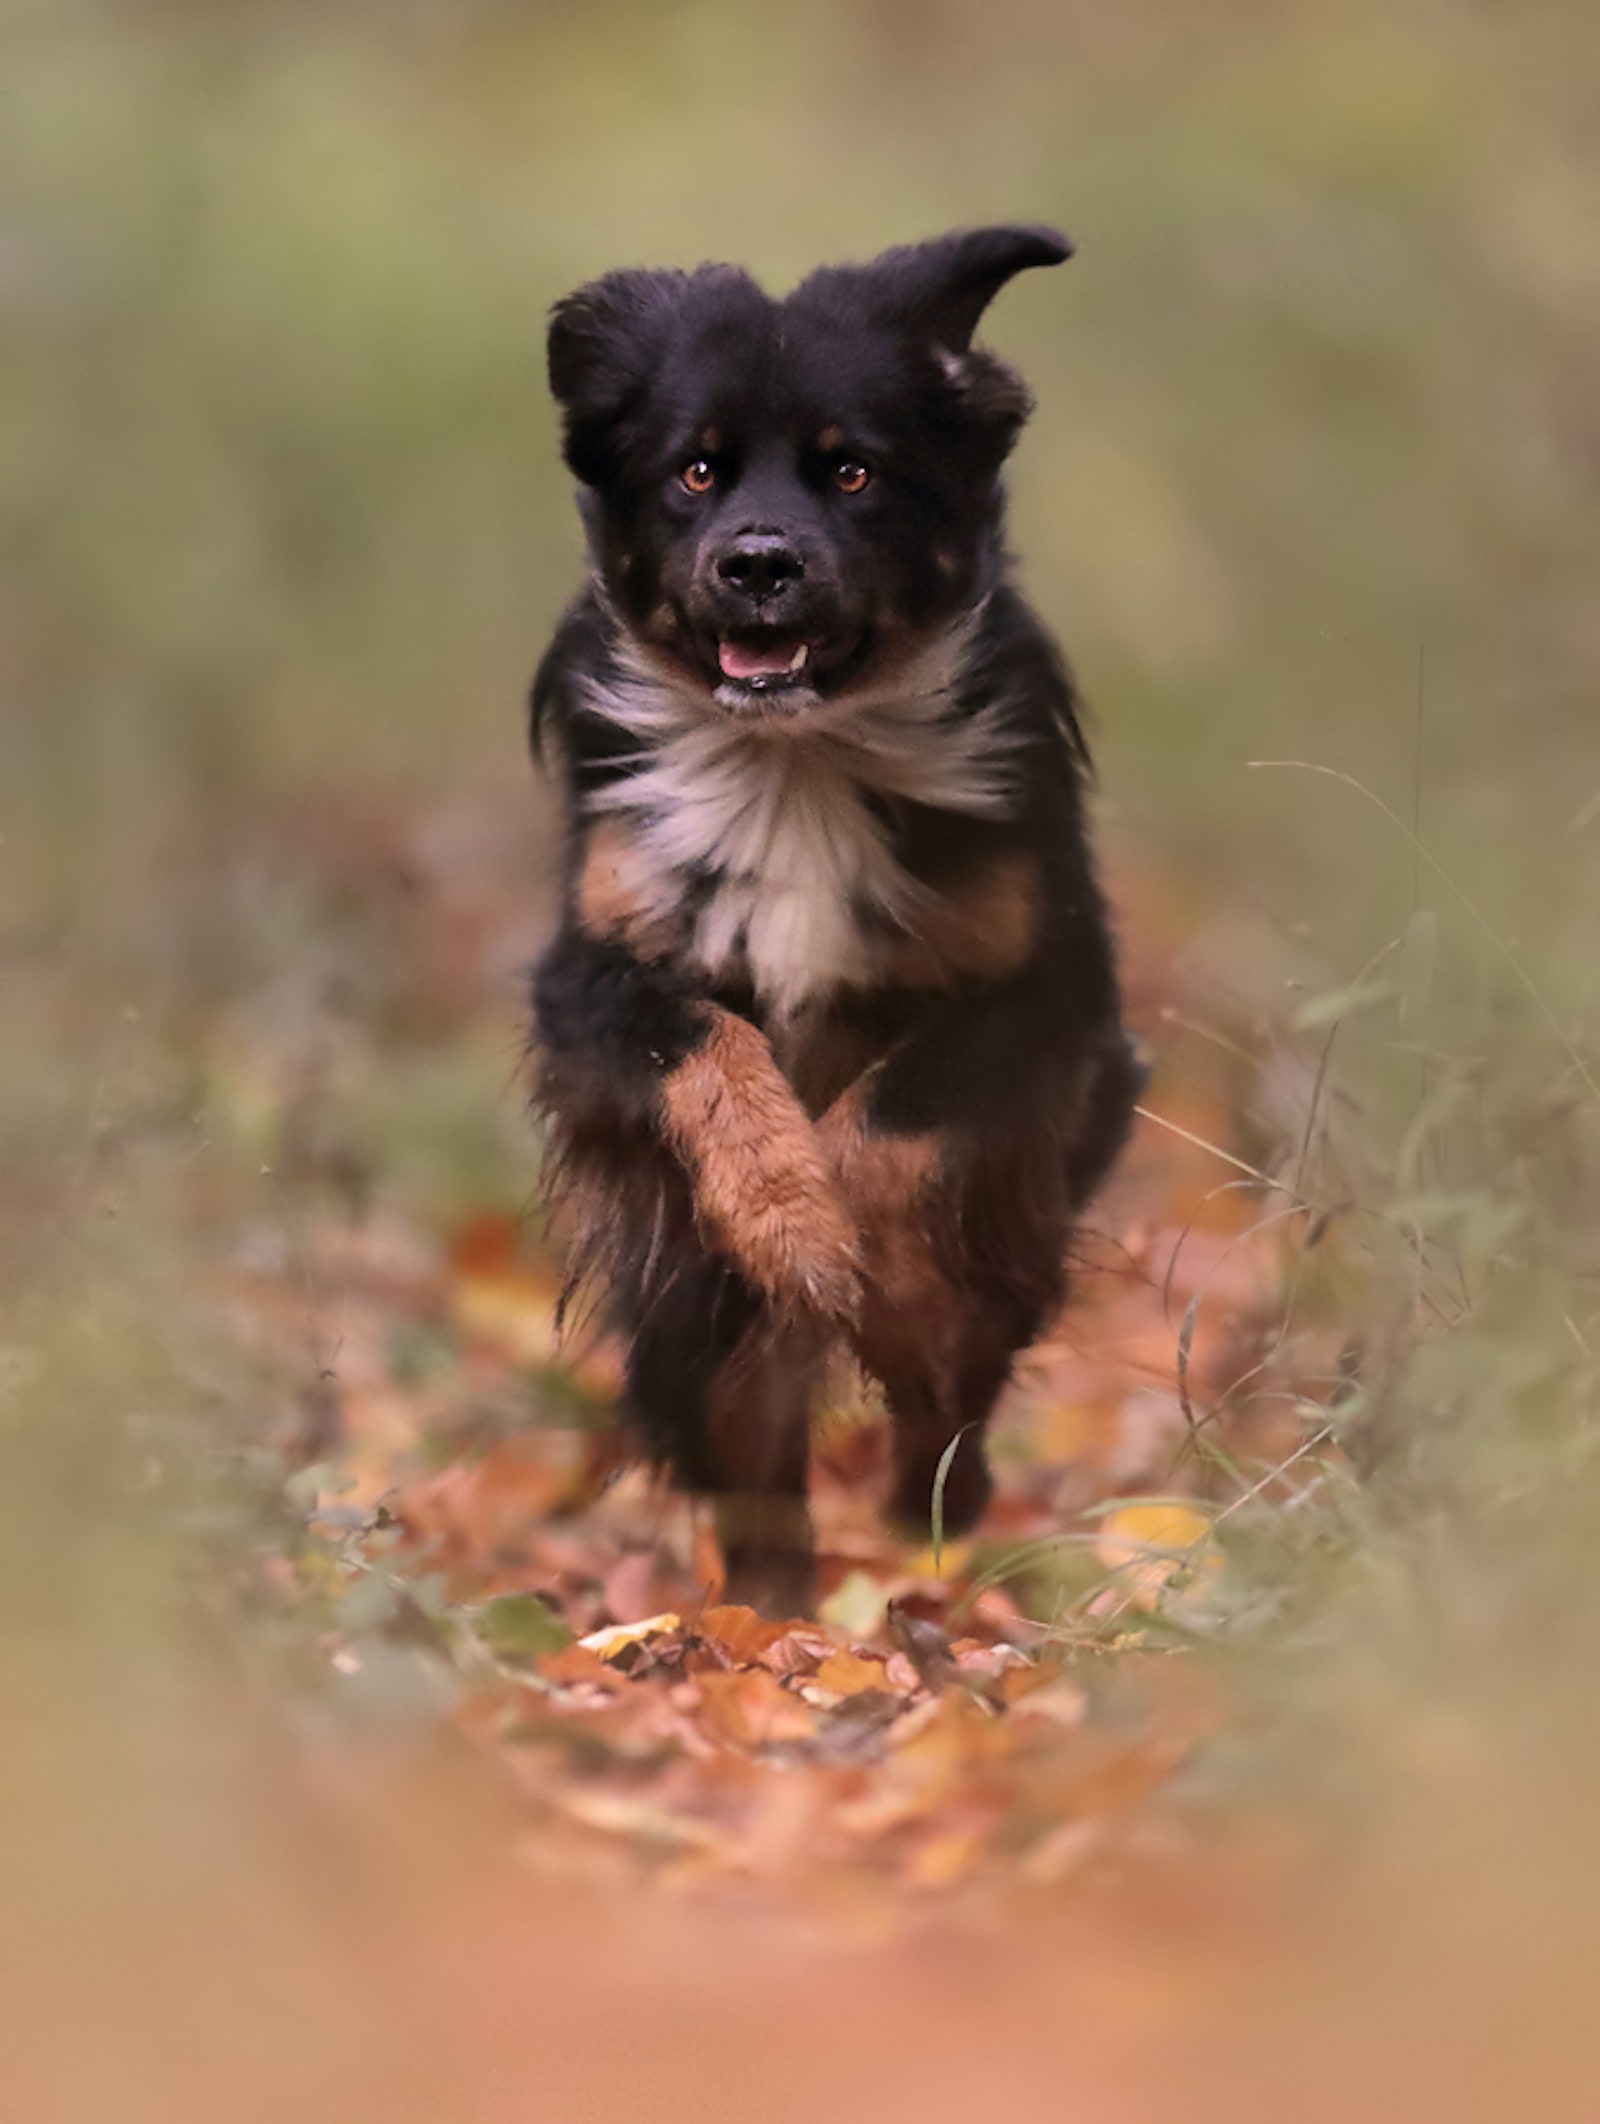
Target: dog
829,1037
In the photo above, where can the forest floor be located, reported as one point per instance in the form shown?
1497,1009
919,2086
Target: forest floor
989,1717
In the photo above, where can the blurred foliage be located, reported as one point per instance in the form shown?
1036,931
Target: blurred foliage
280,497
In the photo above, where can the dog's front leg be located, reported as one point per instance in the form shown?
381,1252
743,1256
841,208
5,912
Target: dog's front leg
643,1044
704,1201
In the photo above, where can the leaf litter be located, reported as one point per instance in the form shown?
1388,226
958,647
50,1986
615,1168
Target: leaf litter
998,1714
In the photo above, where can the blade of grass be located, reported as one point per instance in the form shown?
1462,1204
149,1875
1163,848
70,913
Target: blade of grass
941,1475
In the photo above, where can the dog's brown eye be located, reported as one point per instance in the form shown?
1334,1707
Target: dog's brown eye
850,475
698,476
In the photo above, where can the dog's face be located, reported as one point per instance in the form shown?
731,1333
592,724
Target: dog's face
786,499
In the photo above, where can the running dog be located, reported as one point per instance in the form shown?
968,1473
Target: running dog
829,1036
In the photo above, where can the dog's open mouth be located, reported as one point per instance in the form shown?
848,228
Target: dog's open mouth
763,666
778,676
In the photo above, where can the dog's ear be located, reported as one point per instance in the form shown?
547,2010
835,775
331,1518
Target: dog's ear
936,292
605,339
940,289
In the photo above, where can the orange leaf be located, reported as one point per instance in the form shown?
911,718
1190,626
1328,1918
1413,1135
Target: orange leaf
846,1674
750,1709
740,1632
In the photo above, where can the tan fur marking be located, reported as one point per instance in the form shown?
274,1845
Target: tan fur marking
883,1176
986,927
762,1187
617,896
831,438
710,440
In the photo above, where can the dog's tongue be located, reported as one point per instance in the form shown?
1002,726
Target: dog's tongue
772,660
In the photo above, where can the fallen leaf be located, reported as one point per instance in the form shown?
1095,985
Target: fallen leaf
616,1638
1150,1546
751,1708
856,1606
797,1652
924,1644
575,1664
521,1625
740,1632
843,1673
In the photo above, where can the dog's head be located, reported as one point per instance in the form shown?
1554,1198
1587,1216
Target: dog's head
786,499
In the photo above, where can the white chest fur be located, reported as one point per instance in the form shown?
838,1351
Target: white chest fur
779,816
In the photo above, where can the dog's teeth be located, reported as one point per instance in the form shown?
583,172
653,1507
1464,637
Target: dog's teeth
797,661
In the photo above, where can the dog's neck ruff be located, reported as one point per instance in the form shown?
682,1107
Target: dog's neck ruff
805,889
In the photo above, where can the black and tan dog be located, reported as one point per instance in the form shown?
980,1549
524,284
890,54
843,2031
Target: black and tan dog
830,1040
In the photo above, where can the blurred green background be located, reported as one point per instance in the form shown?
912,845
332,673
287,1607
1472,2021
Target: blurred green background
282,512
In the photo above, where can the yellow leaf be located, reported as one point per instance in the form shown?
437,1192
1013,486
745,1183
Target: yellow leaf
1153,1526
953,1559
856,1606
1151,1545
608,1643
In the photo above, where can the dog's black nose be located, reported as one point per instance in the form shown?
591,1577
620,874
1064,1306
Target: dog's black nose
760,564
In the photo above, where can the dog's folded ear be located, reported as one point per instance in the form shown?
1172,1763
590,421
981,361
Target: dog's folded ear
942,288
933,295
604,340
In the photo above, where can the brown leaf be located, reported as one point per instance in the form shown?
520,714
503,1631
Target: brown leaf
576,1663
924,1643
751,1708
797,1652
740,1632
